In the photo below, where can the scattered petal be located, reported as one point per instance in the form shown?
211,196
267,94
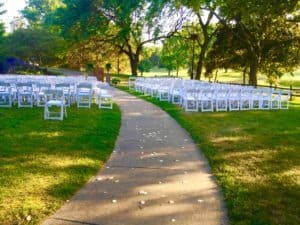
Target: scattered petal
177,160
165,136
142,202
99,178
185,139
161,160
173,220
105,192
171,202
182,147
185,172
111,178
141,147
114,201
199,200
116,181
28,218
160,182
142,153
107,167
143,192
67,200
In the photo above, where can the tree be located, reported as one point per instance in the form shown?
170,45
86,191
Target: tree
36,46
174,53
120,23
36,11
144,66
264,34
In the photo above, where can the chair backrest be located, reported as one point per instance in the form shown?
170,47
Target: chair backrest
5,87
54,94
62,85
24,87
84,85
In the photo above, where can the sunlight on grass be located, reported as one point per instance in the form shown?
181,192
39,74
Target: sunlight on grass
43,163
255,158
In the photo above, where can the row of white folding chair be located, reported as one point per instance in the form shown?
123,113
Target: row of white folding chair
25,95
235,99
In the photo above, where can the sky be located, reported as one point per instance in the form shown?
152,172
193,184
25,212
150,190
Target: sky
12,7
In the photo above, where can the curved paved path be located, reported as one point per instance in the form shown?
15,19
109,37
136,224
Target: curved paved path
155,176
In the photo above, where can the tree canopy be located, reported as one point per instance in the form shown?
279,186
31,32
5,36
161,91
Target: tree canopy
260,36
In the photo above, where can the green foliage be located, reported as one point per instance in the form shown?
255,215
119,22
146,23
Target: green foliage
174,54
34,45
261,35
108,67
115,81
144,66
36,11
43,163
119,23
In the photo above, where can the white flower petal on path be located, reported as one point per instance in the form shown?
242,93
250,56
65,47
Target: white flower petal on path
28,218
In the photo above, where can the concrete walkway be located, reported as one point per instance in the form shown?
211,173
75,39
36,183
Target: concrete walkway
155,176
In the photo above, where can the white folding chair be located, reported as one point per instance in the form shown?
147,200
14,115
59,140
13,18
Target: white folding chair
265,98
221,100
55,108
234,100
245,99
207,100
40,95
5,95
284,100
25,95
84,94
190,101
275,99
66,88
104,99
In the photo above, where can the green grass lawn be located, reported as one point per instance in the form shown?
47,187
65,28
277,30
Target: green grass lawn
43,163
255,158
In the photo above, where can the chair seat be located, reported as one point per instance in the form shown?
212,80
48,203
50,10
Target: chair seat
55,102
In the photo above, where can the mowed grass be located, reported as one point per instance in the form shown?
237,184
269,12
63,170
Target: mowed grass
43,163
255,157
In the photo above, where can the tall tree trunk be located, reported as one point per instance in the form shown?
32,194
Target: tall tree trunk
177,71
199,67
133,65
133,57
253,72
118,65
244,75
216,76
201,58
